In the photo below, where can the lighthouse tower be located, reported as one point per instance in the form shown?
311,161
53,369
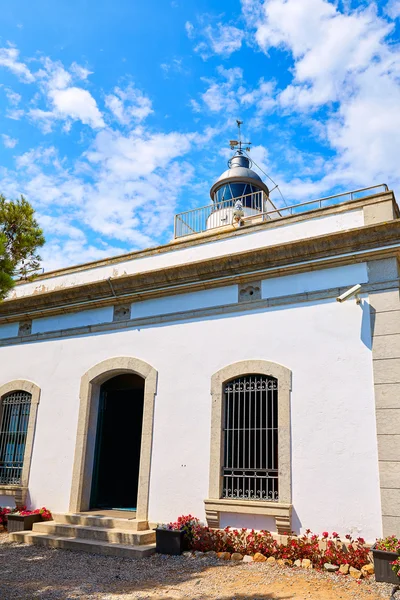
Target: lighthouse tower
239,191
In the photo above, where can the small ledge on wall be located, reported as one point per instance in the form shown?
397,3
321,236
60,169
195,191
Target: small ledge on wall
18,492
282,513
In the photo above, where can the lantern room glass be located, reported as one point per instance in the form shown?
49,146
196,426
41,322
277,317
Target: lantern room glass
246,192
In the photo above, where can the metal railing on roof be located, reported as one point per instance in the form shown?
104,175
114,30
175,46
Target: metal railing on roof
219,214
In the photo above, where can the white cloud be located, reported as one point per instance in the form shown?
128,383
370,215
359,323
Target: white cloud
77,104
9,58
252,11
260,156
34,160
189,27
366,131
13,97
79,71
15,113
128,105
45,118
63,252
221,39
195,105
393,9
54,75
225,39
224,94
344,61
64,101
137,154
230,95
174,66
328,46
8,141
61,226
262,98
122,192
139,172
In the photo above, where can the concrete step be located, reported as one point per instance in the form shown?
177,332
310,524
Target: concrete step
100,521
101,534
82,545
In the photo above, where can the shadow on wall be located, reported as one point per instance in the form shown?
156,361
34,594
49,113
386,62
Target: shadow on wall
367,324
296,523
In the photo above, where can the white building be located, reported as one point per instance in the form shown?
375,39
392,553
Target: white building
216,375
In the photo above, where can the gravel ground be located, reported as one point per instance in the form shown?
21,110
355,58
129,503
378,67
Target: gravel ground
30,573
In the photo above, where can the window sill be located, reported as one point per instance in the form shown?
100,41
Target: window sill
18,491
281,512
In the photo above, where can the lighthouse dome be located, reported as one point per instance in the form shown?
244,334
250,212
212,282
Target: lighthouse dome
238,181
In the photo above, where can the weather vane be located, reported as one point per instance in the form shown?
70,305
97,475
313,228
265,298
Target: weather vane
234,143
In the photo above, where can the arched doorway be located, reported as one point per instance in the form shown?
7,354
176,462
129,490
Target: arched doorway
118,443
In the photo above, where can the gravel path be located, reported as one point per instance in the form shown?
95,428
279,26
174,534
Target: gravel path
30,573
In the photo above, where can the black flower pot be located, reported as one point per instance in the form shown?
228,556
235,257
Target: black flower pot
169,541
21,523
382,566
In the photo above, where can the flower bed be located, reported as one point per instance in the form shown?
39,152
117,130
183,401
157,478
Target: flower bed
386,554
308,546
43,512
21,518
173,538
327,552
18,522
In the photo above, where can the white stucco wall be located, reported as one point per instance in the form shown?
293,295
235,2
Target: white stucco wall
334,448
266,237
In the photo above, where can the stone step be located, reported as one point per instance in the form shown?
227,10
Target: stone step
102,534
82,545
100,521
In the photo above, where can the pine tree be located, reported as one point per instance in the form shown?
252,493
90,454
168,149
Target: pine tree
20,237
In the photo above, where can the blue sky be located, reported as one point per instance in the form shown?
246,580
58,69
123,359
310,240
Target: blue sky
115,115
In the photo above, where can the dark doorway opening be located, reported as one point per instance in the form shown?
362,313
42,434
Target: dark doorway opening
118,442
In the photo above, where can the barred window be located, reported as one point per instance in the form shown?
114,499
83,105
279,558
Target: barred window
14,418
250,468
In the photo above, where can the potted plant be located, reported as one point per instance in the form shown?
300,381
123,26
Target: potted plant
169,541
23,519
386,559
174,538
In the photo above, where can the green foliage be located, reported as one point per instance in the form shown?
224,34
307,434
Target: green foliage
20,237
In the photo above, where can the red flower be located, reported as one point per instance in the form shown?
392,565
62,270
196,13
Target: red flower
361,540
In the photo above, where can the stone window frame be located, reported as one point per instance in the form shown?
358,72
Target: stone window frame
87,427
214,504
19,491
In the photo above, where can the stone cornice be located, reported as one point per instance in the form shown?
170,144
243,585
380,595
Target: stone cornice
202,313
232,268
227,232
